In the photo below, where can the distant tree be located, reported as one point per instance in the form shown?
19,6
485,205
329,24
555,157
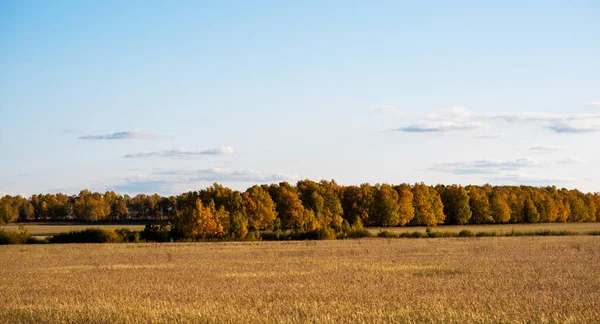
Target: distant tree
456,204
386,206
424,211
406,210
198,222
91,207
499,207
9,211
530,211
480,206
259,207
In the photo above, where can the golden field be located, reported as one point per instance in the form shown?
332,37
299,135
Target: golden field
499,279
49,229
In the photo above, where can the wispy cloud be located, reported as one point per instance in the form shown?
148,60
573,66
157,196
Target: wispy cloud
579,126
183,152
69,131
592,104
485,166
171,181
571,160
134,134
389,110
461,120
442,127
546,149
529,179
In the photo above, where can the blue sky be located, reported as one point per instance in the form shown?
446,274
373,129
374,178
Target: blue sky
156,96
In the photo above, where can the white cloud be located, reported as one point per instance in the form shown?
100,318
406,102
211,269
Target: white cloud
592,104
182,152
175,181
460,119
443,127
135,134
485,166
529,179
455,113
546,149
576,126
571,160
390,110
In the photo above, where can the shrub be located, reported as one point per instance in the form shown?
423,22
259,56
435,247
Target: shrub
327,234
387,234
465,233
90,235
10,237
127,235
486,234
358,233
35,240
20,237
595,233
436,234
157,233
253,236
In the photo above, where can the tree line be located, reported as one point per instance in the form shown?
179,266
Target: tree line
310,206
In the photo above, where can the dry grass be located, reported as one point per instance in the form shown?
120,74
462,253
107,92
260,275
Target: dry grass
50,229
506,279
580,228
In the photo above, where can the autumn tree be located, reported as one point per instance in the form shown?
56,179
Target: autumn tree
9,211
386,207
259,207
406,210
480,206
199,222
456,204
424,212
499,207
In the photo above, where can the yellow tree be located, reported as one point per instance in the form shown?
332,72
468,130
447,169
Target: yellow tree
199,222
259,207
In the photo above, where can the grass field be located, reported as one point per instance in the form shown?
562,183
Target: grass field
504,279
49,229
499,228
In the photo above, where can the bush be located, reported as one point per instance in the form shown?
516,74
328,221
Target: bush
437,234
11,237
415,234
465,233
35,240
594,233
157,233
387,234
486,234
20,237
327,234
90,235
358,233
127,235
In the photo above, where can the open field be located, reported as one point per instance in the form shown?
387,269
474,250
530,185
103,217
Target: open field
504,279
49,229
581,228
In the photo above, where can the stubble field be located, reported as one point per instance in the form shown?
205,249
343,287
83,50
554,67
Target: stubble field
500,279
